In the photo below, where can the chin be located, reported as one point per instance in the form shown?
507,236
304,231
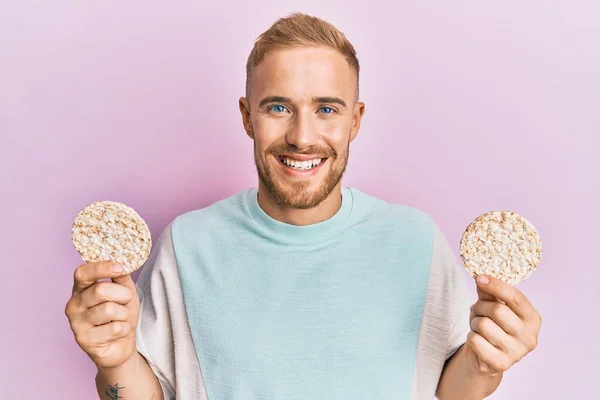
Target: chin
297,195
298,189
301,195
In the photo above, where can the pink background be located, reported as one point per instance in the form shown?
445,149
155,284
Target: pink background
471,106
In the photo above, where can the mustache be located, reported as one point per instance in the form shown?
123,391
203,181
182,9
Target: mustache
291,149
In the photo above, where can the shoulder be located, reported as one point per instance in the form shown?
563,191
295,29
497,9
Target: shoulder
390,215
404,221
205,220
214,215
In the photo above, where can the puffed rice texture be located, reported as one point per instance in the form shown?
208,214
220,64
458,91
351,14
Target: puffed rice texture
501,244
114,232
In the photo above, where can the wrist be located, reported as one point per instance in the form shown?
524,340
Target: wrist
130,364
463,378
470,362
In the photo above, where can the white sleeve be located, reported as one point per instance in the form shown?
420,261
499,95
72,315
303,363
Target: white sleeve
154,334
445,322
458,294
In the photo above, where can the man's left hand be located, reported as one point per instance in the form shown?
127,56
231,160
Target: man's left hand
504,327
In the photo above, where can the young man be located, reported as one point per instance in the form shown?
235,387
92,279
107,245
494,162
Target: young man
300,288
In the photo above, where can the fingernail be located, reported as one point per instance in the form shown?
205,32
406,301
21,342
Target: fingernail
484,280
117,269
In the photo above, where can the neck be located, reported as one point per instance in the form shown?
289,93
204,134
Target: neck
293,216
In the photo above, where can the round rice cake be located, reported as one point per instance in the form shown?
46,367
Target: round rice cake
503,245
112,231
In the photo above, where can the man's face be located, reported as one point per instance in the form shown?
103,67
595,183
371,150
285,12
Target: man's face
303,114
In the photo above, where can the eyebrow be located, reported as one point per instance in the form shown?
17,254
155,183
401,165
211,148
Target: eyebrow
280,99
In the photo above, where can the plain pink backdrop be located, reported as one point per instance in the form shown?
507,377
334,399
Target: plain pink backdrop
471,106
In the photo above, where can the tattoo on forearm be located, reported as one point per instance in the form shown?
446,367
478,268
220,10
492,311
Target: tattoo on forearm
113,391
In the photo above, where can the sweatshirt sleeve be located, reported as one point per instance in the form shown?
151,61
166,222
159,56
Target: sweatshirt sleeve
445,322
154,332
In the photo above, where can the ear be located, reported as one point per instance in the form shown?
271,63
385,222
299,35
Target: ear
359,111
244,106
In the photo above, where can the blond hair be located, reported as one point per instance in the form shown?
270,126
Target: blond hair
300,30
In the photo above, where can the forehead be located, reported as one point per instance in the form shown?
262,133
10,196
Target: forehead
303,73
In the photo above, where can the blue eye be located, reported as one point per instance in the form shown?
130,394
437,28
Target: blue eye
278,108
327,110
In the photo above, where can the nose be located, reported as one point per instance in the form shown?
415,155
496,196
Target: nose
302,133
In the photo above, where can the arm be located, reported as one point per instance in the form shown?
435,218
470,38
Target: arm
103,313
500,329
459,381
504,328
131,380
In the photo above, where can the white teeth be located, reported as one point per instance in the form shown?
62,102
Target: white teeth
301,164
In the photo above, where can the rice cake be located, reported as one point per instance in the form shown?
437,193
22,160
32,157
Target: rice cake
112,231
503,245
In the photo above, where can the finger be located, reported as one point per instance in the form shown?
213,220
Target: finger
105,291
503,316
491,332
105,313
106,333
481,294
125,280
508,294
87,274
487,353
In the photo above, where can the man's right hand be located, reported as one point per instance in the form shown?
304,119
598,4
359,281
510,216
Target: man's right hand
104,315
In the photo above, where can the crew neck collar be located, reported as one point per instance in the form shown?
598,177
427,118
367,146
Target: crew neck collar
293,233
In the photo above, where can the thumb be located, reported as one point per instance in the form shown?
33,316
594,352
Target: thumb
125,280
482,294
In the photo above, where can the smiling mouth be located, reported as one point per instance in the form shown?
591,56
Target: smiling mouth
301,165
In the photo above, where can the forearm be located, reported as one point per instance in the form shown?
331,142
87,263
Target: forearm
459,382
131,381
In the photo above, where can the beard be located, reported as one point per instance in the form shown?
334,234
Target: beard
296,194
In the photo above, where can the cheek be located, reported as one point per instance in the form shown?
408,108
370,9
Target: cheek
337,125
337,133
267,132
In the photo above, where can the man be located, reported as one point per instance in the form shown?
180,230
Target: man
300,288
